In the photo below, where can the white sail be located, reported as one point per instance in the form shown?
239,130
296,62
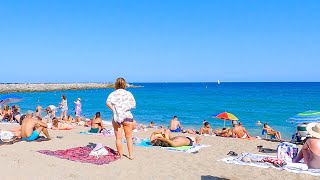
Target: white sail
218,81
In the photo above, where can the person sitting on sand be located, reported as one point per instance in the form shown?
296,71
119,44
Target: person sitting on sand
51,111
151,125
16,114
225,132
175,125
270,131
96,124
1,115
31,128
310,151
206,129
7,114
239,131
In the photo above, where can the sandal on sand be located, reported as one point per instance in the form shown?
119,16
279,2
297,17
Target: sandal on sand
232,153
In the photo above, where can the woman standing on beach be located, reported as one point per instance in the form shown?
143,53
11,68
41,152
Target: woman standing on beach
120,102
78,109
64,107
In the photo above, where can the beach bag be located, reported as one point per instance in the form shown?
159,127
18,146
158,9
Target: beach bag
99,151
287,151
6,136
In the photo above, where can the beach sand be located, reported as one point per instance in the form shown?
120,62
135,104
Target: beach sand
21,161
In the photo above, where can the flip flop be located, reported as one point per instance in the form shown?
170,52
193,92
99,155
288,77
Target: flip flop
232,153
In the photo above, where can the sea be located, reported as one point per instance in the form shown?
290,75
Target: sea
271,103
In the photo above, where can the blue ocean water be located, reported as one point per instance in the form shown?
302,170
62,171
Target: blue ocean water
193,102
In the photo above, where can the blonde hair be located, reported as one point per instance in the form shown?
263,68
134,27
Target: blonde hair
120,83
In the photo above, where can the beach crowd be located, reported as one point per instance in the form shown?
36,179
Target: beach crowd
120,102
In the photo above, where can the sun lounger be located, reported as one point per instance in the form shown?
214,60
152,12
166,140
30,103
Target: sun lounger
264,133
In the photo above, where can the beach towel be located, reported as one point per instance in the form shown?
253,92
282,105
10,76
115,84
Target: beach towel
187,149
264,161
82,155
106,133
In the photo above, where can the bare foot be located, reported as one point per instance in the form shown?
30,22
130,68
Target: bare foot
131,158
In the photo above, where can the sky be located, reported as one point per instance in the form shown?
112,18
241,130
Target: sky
159,41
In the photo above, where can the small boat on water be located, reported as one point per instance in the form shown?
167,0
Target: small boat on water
218,81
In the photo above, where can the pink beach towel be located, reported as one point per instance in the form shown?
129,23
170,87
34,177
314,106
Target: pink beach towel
81,154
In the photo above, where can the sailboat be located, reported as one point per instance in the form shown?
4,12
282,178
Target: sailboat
218,81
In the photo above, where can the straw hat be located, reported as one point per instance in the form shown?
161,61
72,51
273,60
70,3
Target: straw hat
314,129
79,99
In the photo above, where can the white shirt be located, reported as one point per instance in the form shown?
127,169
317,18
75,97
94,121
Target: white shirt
122,102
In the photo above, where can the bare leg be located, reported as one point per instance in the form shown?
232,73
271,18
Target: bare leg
118,133
44,130
201,131
299,157
279,134
127,127
65,118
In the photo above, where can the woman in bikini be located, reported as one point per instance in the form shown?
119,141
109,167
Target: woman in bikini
120,102
64,107
163,138
310,151
7,114
96,124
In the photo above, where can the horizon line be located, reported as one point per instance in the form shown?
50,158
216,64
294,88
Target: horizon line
169,82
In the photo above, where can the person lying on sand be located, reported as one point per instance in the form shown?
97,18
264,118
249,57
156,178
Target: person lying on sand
175,125
206,129
160,133
270,131
60,125
225,132
151,125
189,131
164,138
31,128
239,131
176,141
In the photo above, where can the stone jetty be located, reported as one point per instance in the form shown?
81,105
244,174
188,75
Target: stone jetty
41,87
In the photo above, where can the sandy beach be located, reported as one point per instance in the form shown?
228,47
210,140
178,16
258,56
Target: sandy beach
22,161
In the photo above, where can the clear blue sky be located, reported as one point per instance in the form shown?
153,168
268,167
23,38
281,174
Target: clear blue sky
159,40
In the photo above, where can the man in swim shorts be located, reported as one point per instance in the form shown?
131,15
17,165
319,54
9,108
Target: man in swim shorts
175,125
239,131
31,128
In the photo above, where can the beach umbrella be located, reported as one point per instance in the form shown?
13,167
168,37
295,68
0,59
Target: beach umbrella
8,99
226,116
305,117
